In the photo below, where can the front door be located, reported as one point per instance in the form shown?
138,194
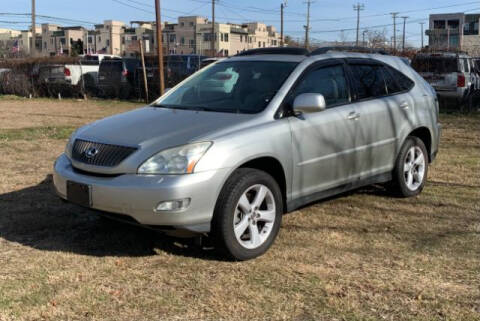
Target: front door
323,142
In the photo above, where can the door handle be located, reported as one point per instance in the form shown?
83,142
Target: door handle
404,105
353,116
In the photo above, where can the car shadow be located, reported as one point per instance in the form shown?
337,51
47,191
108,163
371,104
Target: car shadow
36,217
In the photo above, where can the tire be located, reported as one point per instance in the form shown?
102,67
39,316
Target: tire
232,210
410,174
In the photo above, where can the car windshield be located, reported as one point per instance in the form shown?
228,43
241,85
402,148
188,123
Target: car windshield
233,86
439,65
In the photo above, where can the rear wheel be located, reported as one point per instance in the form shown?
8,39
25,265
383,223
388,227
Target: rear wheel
411,168
248,214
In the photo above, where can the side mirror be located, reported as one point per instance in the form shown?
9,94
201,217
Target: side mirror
309,103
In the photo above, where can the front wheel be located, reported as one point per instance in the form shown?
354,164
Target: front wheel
248,214
411,168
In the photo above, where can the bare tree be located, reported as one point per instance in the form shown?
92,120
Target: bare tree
377,38
343,37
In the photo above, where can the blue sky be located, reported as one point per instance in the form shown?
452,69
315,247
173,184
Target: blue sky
328,16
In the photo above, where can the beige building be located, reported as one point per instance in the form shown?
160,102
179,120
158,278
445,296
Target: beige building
25,40
8,34
139,31
58,40
455,31
189,35
193,35
108,37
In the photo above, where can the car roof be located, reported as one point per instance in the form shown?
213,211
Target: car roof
317,57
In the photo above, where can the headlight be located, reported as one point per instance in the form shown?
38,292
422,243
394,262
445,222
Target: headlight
178,160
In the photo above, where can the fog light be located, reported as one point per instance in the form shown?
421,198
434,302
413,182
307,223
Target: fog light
175,205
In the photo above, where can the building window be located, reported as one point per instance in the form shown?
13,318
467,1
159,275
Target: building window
191,43
182,40
471,25
182,24
62,41
134,38
108,42
259,44
226,37
173,38
90,40
191,23
99,39
123,40
241,38
439,24
264,44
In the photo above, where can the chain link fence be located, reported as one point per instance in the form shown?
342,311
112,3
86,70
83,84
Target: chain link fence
75,77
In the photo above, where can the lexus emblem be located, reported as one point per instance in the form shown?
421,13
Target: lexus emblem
91,152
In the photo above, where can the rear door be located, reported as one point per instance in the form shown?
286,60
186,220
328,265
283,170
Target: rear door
110,72
385,109
323,142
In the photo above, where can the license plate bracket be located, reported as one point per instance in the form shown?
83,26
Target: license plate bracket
79,194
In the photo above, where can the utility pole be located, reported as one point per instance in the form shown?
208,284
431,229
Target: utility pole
358,7
213,29
307,27
282,6
403,37
159,46
421,26
394,16
33,48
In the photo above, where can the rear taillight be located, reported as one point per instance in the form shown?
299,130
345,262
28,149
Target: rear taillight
66,72
125,73
460,80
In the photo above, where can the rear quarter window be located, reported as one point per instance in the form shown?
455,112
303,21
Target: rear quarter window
403,82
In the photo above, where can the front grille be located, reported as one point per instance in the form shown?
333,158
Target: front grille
102,154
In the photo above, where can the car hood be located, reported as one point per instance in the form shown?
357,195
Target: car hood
158,128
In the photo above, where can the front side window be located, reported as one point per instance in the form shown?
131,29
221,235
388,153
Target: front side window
234,86
327,81
368,81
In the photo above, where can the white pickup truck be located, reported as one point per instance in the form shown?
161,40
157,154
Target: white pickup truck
84,74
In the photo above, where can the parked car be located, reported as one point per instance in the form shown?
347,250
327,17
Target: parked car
286,128
453,75
117,77
208,61
73,76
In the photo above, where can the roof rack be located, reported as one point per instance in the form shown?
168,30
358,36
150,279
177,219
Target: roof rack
324,50
275,51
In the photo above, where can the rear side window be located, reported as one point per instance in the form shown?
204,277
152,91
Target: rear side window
435,64
328,81
396,81
368,81
111,66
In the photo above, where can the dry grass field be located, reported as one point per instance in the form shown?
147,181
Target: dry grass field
359,256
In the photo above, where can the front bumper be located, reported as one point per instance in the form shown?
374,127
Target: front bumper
138,195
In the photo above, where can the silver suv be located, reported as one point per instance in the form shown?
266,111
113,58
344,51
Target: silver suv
235,146
453,75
